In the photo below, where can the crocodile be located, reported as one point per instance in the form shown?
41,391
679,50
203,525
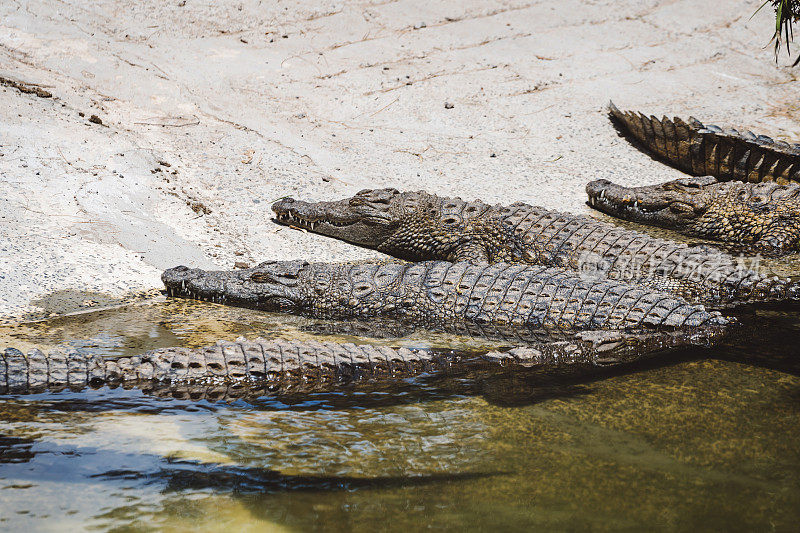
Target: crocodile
759,218
243,368
707,150
419,226
439,295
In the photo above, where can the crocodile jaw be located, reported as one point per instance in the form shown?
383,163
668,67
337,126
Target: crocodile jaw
358,223
270,286
656,205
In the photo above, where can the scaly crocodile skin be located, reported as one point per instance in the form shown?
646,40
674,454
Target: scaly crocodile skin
706,150
754,218
252,368
443,295
419,226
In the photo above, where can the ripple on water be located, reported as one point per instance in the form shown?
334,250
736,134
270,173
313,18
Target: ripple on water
689,442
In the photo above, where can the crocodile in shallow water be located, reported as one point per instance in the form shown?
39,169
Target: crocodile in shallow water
244,368
749,217
421,226
454,297
552,315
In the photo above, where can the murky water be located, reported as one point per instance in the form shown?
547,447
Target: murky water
696,440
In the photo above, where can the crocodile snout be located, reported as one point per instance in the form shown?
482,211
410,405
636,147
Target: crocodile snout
593,188
283,204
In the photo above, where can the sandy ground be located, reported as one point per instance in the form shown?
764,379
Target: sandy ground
212,110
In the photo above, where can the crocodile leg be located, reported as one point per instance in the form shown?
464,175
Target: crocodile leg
779,240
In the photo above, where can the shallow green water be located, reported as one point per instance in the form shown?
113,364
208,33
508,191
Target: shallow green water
692,441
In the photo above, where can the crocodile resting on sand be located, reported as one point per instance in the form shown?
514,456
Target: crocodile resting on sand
419,226
752,217
244,368
746,193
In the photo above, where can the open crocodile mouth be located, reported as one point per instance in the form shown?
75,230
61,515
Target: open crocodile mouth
183,282
186,291
625,205
290,218
604,203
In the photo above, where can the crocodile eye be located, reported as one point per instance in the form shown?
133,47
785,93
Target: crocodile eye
376,196
680,208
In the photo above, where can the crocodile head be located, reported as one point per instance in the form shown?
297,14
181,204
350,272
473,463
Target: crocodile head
675,204
752,217
416,226
366,219
270,286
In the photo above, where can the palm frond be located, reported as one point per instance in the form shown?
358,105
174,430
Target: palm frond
787,12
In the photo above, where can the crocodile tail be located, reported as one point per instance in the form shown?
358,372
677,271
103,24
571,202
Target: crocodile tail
277,363
779,289
706,150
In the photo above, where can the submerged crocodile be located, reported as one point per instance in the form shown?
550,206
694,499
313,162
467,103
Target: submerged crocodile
421,226
250,368
745,193
754,217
